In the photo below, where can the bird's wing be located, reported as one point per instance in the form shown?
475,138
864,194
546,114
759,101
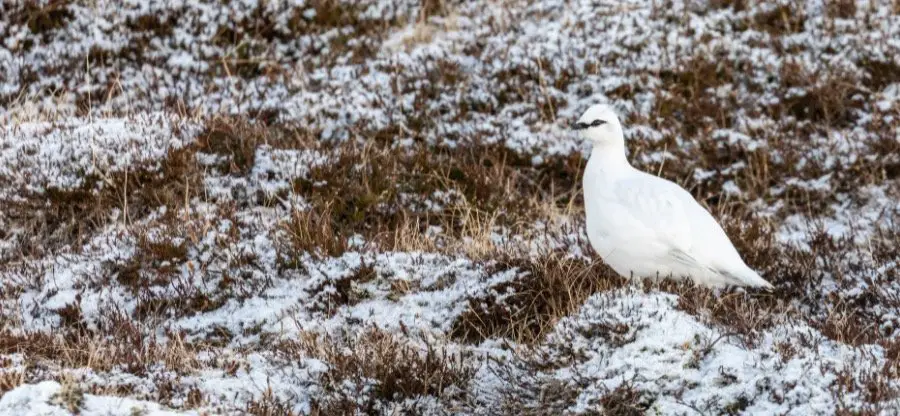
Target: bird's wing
682,230
660,208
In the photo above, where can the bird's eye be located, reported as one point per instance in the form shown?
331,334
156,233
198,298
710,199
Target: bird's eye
597,122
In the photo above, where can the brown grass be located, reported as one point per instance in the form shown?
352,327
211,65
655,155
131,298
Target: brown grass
736,5
880,73
840,9
690,98
70,395
248,40
830,99
236,139
162,257
533,82
67,217
270,405
10,379
528,392
160,274
782,20
626,400
342,291
42,16
526,308
744,315
309,232
398,369
529,389
119,343
364,191
873,388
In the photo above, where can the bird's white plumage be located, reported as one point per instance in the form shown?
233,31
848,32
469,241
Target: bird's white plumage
644,226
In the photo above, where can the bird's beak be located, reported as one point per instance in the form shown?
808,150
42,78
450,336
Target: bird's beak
579,126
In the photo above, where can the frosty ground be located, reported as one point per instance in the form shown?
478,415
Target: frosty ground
337,207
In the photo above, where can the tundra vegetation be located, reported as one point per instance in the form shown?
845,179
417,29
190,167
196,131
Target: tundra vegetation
374,206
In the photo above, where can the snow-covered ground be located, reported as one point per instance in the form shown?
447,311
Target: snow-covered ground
372,206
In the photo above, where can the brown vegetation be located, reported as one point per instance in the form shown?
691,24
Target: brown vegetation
397,369
66,217
388,186
527,307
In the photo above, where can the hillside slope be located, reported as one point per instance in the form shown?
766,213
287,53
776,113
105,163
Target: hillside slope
374,207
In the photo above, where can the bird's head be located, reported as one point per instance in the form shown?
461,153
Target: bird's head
600,125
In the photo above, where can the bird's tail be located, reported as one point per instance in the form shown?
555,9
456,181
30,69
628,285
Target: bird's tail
748,277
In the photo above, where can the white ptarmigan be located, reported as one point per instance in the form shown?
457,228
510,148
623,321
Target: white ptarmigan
645,226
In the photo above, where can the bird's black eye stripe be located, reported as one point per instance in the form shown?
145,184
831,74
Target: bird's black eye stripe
582,126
